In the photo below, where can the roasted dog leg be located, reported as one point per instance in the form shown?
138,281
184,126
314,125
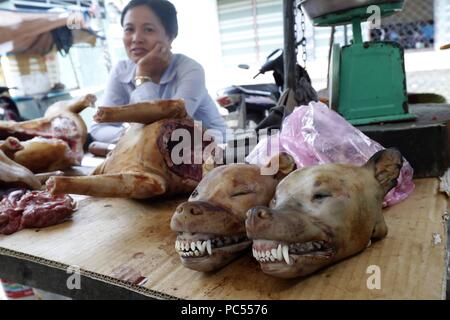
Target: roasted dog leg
144,112
15,174
75,105
10,146
125,185
43,177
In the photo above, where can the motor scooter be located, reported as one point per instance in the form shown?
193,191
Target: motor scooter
8,108
252,102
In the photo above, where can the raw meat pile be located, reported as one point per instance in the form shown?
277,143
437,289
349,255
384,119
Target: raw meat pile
22,209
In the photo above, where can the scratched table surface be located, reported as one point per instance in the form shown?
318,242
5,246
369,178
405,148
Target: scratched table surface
128,244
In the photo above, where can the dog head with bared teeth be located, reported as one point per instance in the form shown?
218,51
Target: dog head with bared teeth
211,224
322,214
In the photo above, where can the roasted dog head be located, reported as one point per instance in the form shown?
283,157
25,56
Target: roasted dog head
322,214
211,225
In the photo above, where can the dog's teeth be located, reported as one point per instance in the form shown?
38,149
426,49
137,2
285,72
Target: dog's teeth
279,253
196,253
202,247
274,253
369,244
267,254
198,245
286,254
208,247
177,245
193,246
272,258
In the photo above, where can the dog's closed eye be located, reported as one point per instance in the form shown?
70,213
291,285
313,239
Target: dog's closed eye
318,196
241,193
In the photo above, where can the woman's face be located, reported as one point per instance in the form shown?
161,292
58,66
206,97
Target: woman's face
142,30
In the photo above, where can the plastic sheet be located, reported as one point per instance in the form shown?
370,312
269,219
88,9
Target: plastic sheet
315,134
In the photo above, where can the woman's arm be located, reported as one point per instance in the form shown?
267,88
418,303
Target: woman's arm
189,86
114,95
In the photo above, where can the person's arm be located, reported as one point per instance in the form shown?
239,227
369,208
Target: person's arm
190,87
114,95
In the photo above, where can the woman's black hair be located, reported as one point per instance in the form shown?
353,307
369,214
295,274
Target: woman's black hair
165,11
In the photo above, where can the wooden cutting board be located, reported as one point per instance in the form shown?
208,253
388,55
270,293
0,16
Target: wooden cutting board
130,242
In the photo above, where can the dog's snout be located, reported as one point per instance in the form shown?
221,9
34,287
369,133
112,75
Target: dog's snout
189,208
259,213
258,221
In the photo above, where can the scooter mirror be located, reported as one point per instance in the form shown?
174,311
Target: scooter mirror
274,55
244,66
274,61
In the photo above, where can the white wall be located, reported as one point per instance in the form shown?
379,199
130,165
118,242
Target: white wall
199,38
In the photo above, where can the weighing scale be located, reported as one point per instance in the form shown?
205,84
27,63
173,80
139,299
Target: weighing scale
367,79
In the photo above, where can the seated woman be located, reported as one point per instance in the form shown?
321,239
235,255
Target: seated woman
152,72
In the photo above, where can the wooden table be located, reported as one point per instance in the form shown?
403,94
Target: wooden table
125,249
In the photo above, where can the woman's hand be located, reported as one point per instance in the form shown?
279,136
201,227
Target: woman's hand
154,63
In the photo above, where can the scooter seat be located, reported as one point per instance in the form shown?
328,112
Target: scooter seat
253,89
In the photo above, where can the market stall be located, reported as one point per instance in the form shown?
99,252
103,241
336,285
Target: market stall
125,249
108,232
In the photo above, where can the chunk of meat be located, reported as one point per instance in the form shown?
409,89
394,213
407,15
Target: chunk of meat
33,209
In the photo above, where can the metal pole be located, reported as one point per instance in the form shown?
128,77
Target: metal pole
357,33
290,41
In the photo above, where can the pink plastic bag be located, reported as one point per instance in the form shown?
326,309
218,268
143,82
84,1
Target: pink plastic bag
315,134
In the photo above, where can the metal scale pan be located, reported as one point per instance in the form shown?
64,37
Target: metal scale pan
318,8
335,12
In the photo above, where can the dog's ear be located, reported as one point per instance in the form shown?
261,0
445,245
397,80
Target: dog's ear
386,165
214,160
279,166
208,166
